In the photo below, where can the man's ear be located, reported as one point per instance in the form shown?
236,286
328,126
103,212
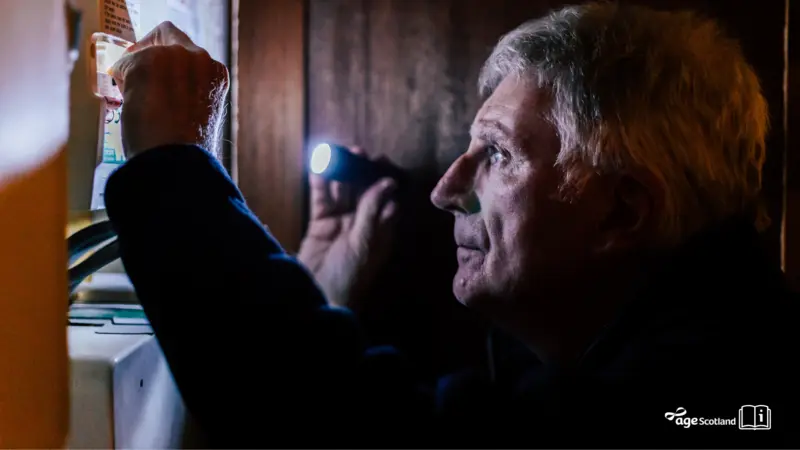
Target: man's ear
636,204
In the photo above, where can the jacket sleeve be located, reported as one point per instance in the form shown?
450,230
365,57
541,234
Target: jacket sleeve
245,330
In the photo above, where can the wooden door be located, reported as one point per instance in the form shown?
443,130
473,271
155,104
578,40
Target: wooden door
34,121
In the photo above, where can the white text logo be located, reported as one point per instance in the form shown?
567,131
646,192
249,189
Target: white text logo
681,419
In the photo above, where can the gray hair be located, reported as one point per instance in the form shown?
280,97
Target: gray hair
631,87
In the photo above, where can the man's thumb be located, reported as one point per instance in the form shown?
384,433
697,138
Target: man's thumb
370,207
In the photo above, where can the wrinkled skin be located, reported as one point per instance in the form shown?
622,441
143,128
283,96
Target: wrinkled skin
529,257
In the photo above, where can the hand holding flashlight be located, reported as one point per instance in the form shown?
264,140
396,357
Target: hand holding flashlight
349,234
336,162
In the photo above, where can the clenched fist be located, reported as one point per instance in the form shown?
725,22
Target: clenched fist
173,92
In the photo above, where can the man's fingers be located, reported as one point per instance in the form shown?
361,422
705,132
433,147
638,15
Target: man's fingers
320,196
166,33
317,182
389,212
325,229
344,196
370,209
332,197
122,67
132,62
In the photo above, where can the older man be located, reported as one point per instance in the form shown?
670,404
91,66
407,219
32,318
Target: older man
604,213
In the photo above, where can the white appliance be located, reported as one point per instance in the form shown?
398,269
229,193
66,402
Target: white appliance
122,392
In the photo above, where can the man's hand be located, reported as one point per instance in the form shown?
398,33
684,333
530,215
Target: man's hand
345,244
173,92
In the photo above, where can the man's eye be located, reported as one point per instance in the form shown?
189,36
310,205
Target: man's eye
495,154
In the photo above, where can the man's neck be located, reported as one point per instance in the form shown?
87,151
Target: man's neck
576,311
577,316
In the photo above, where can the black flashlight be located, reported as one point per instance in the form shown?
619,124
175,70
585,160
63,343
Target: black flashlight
336,162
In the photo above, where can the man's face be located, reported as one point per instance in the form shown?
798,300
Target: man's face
516,238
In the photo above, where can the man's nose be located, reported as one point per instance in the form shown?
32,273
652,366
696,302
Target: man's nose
455,191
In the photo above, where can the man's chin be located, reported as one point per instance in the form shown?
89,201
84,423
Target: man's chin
470,290
474,290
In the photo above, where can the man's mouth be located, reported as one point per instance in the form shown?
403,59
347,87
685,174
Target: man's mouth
468,256
465,249
468,247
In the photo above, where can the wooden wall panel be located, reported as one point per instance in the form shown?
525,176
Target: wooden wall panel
398,77
34,127
761,33
791,224
269,115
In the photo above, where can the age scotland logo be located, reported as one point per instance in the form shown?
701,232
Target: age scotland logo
681,418
750,417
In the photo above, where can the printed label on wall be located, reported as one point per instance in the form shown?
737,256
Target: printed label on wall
112,156
120,18
112,137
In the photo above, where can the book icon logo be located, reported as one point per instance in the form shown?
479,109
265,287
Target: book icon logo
755,417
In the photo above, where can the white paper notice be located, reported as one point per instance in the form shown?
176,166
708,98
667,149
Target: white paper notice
134,14
115,19
101,174
182,6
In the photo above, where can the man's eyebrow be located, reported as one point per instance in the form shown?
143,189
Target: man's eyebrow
491,129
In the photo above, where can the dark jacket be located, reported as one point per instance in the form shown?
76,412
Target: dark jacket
262,362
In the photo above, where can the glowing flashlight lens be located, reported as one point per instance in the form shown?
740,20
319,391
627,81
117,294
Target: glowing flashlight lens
320,158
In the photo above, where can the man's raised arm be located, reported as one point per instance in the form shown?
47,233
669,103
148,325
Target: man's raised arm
253,347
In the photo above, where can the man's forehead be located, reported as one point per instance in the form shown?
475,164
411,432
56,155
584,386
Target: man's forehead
515,103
